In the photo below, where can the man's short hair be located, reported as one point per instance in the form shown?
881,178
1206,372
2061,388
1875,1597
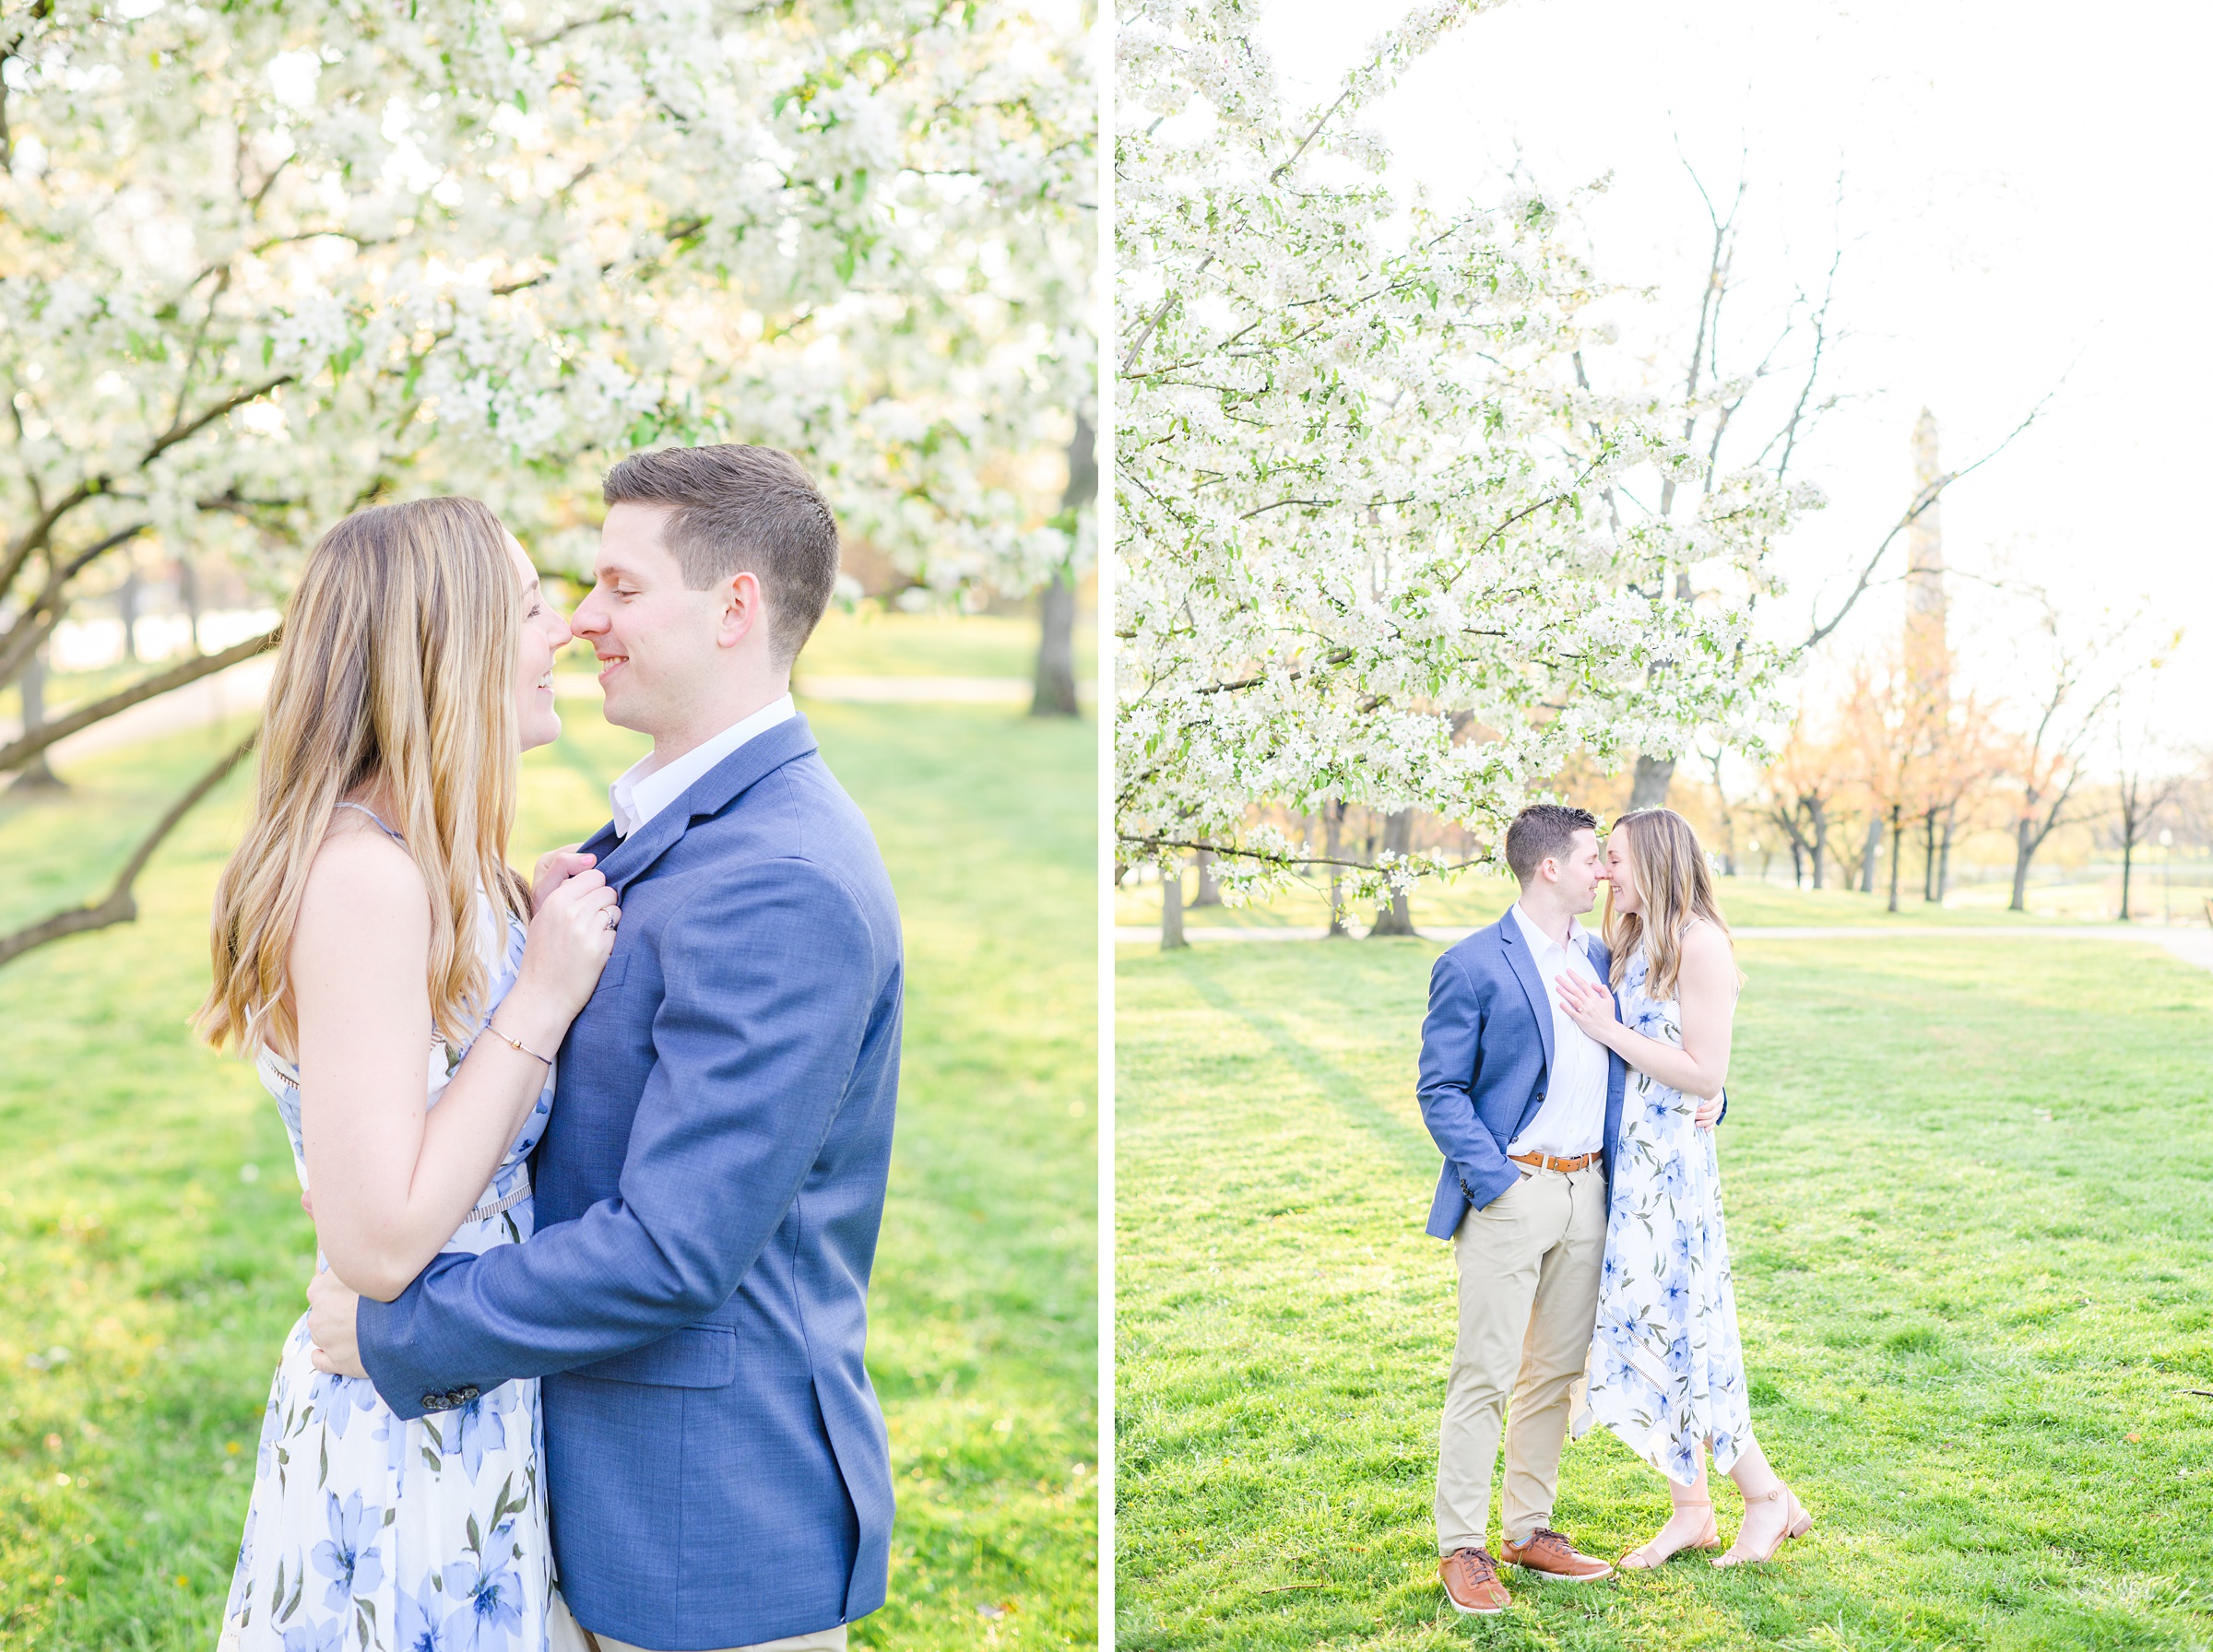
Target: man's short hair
741,510
1544,831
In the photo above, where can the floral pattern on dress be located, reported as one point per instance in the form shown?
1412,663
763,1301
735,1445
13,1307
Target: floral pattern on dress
1666,1372
369,1533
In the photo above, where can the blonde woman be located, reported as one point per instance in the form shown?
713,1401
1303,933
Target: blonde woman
1666,1373
377,956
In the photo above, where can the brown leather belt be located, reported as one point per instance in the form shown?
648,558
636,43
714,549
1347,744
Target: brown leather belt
1565,1166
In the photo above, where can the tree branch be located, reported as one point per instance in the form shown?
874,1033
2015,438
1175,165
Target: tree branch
50,600
36,741
1166,301
1427,869
119,906
1922,500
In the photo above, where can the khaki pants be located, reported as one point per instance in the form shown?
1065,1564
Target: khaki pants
564,1634
1529,1265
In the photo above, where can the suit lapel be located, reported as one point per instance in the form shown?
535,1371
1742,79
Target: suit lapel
710,794
646,845
1525,967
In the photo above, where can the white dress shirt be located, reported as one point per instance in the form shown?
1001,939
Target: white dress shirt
1571,1121
644,789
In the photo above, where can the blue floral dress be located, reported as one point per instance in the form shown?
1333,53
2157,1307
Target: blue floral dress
368,1534
1666,1373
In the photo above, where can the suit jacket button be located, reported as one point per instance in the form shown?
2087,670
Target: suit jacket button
462,1396
430,1402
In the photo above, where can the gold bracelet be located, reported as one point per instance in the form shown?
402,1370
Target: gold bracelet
518,1043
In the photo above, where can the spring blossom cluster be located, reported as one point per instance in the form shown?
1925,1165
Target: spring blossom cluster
1365,554
261,262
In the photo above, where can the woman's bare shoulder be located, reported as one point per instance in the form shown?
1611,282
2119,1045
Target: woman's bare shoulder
362,884
1706,947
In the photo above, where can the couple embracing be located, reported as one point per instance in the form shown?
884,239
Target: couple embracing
597,1162
1573,1083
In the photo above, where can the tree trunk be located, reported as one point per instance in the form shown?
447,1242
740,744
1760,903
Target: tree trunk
1332,814
1398,838
35,776
1898,844
188,592
1653,777
1210,893
126,608
1818,811
1055,695
1797,864
1871,853
1928,858
1171,909
2128,855
1944,858
2024,850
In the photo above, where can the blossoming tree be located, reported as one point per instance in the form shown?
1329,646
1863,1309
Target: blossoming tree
1365,556
261,262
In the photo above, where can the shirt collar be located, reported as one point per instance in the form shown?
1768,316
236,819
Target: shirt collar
643,790
1579,937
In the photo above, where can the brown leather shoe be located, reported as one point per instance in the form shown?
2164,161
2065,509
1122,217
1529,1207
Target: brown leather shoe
1472,1582
1549,1552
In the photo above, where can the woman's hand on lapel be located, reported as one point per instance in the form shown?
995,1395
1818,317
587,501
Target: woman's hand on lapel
555,867
1590,1006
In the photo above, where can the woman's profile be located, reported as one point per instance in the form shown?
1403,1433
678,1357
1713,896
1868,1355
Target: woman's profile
403,995
1666,1371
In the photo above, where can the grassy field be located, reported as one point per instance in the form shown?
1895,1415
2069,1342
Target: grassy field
152,1250
872,643
1967,1192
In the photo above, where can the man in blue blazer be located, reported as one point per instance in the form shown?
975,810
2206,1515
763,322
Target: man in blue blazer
1525,1107
709,1187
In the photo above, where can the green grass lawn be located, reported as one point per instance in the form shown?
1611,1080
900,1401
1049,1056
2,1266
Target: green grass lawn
871,642
1967,1185
152,1250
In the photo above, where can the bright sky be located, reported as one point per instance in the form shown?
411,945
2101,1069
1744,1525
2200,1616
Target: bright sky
2024,193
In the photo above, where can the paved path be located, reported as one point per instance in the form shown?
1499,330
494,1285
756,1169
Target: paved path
246,685
2193,946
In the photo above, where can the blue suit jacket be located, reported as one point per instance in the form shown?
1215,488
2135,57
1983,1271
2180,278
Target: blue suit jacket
708,1194
1486,1051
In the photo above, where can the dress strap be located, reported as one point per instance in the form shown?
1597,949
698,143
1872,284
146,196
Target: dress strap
379,819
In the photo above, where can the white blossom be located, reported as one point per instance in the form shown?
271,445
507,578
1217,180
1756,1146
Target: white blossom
259,263
1366,551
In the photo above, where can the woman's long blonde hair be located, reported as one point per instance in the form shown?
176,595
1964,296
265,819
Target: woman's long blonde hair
1673,888
397,669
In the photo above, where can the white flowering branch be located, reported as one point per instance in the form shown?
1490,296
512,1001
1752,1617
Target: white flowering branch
1368,553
